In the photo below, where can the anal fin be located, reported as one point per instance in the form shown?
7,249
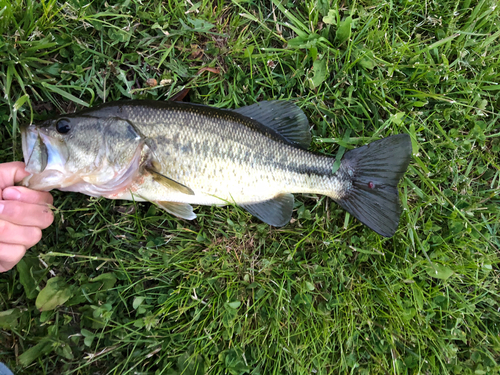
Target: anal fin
276,212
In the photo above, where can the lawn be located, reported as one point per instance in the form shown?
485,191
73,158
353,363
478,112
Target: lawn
118,287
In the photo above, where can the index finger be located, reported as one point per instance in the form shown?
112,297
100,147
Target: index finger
10,173
22,194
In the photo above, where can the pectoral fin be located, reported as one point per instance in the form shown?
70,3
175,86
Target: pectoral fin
276,211
168,182
182,210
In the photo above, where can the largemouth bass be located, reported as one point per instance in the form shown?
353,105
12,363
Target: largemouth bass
176,154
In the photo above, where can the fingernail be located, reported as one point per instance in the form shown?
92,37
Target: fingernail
1,207
11,194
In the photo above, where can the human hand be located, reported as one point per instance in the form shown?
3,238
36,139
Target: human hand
23,215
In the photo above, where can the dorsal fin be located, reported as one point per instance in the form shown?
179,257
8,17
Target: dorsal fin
285,118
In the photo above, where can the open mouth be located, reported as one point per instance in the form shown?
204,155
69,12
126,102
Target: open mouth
35,152
45,160
42,152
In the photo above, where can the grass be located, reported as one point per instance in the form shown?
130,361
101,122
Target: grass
126,289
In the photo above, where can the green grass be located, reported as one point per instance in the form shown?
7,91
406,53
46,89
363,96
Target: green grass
141,292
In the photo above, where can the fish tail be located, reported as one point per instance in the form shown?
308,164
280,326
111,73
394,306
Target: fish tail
374,171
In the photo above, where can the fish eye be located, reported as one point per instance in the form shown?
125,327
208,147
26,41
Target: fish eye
62,126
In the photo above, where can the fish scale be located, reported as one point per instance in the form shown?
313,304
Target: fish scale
197,150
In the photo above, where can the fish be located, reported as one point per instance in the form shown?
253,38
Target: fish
177,154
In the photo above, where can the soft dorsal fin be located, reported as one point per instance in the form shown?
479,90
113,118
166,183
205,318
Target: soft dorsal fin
168,182
276,211
285,118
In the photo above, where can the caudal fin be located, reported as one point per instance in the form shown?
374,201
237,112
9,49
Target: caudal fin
376,170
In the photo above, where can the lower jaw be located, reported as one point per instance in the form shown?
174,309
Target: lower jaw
44,181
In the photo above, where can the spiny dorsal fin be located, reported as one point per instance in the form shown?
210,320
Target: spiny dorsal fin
182,210
276,211
285,118
168,182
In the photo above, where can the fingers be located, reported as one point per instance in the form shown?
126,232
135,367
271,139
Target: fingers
25,214
10,173
18,234
10,255
26,195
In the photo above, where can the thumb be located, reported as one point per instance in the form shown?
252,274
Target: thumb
10,173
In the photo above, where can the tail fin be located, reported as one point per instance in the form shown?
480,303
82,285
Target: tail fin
377,169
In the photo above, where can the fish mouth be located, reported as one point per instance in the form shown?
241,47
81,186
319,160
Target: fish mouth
44,157
35,151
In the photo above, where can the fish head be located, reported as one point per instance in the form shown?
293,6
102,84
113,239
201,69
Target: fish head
79,153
